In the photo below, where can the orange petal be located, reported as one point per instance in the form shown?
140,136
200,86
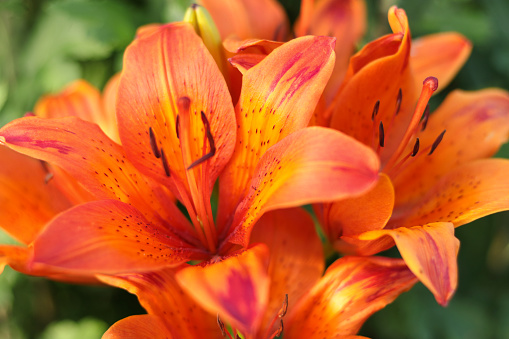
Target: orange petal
162,297
440,55
430,252
236,288
292,271
377,73
27,200
170,73
315,164
143,326
110,127
264,19
96,162
352,289
476,124
468,193
278,98
250,52
107,236
343,217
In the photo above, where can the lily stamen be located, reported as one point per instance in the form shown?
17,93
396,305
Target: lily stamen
165,163
49,175
436,142
210,138
153,143
280,314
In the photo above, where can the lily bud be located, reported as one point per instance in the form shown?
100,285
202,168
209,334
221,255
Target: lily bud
205,27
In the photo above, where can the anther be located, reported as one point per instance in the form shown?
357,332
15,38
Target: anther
398,101
221,326
153,143
381,135
416,148
48,175
212,144
425,118
436,143
177,126
165,163
284,308
375,110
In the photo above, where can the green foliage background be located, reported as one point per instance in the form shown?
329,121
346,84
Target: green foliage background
45,44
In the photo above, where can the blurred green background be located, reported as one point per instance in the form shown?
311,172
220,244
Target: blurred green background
47,43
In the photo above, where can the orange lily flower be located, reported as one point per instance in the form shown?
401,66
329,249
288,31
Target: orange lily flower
430,182
272,287
178,127
34,191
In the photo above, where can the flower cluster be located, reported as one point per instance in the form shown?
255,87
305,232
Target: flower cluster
183,181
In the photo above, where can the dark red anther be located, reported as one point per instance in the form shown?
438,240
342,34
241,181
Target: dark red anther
381,135
416,148
177,126
153,143
48,175
221,326
436,143
375,110
425,118
398,101
165,163
212,144
284,307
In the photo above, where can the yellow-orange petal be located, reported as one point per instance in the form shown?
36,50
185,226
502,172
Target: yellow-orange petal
476,124
377,73
343,218
109,101
351,290
278,98
170,73
440,55
27,198
236,288
94,160
292,270
108,236
162,297
264,19
144,326
311,165
430,251
470,192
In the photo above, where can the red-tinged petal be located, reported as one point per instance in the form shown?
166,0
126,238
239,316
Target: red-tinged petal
143,326
430,252
27,198
278,98
170,73
107,236
345,20
343,218
236,288
264,19
160,294
468,193
377,73
440,55
94,160
352,289
476,125
315,164
292,270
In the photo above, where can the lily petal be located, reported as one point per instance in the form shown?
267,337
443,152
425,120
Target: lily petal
430,252
292,270
440,55
236,288
352,289
265,19
278,98
109,105
470,192
343,217
28,200
160,294
144,326
94,160
476,124
107,236
312,165
168,73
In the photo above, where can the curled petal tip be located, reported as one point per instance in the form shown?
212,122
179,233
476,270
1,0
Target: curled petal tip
432,82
